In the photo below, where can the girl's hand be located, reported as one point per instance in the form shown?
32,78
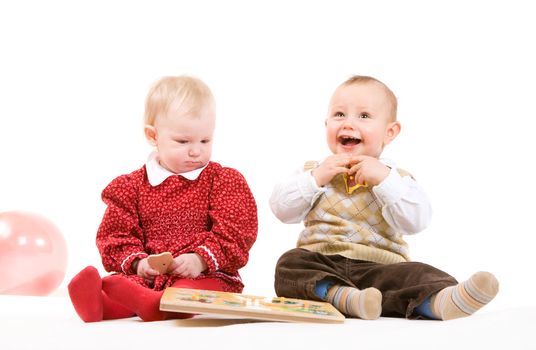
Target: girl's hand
188,265
145,271
331,166
369,170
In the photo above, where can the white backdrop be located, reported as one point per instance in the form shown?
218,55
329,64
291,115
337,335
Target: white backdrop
73,78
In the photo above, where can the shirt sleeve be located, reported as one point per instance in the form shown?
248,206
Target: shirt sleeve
233,213
293,197
119,237
405,205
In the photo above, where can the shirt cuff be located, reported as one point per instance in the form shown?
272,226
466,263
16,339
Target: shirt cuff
391,189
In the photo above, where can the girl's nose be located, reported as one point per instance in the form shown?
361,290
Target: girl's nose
194,152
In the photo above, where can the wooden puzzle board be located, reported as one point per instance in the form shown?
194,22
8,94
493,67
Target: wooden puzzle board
248,306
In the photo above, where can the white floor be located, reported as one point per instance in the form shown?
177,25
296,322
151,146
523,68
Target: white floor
51,323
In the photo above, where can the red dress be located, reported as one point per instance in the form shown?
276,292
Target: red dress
214,216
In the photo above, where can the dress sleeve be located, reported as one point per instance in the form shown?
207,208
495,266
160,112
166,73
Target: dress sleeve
120,237
233,213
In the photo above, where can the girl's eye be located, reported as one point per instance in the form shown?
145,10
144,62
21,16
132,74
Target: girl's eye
364,116
182,141
205,141
338,115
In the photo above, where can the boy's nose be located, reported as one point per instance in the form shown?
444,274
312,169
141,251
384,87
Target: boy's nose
347,124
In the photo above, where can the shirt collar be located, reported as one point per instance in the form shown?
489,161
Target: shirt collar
156,174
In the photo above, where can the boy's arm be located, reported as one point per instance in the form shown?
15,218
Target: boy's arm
292,198
405,205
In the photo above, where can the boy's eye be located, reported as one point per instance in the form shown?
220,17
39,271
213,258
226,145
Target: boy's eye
205,141
338,115
182,141
364,116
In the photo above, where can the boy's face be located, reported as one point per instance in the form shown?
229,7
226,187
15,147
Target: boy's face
183,139
359,120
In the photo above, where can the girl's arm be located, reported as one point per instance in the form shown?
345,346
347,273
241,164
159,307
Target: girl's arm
233,213
119,237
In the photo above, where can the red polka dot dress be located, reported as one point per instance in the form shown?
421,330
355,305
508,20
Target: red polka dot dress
214,215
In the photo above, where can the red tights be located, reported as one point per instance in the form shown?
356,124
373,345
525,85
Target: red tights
113,297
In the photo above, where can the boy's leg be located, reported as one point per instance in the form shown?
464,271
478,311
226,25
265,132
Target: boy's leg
298,271
465,298
365,304
308,275
404,286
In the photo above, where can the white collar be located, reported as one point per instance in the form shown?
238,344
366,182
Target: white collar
158,174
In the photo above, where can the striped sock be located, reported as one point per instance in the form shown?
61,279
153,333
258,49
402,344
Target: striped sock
365,304
465,298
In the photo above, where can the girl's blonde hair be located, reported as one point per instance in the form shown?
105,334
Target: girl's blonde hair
358,79
190,93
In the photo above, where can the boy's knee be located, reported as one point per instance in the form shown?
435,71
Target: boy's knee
291,259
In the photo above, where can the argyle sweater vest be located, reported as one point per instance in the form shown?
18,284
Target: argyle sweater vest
351,225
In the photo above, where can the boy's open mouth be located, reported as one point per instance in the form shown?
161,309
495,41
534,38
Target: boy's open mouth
349,140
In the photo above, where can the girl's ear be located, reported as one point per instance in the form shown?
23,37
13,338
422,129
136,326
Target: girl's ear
392,131
150,134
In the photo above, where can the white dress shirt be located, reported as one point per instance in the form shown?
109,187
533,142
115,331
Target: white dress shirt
405,205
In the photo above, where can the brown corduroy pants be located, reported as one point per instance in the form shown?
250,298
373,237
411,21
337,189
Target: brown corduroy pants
404,286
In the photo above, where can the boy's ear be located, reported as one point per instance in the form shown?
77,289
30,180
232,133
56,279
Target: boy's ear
150,134
393,129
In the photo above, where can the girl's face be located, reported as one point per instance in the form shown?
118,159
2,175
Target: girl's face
183,138
359,120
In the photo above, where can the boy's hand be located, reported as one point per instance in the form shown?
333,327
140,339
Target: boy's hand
369,170
188,265
145,271
331,166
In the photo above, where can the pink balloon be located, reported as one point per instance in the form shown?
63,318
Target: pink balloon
33,254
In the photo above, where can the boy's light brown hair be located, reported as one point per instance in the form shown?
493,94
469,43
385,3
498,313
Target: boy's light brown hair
361,79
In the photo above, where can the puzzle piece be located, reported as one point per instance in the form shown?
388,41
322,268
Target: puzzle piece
160,262
350,183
